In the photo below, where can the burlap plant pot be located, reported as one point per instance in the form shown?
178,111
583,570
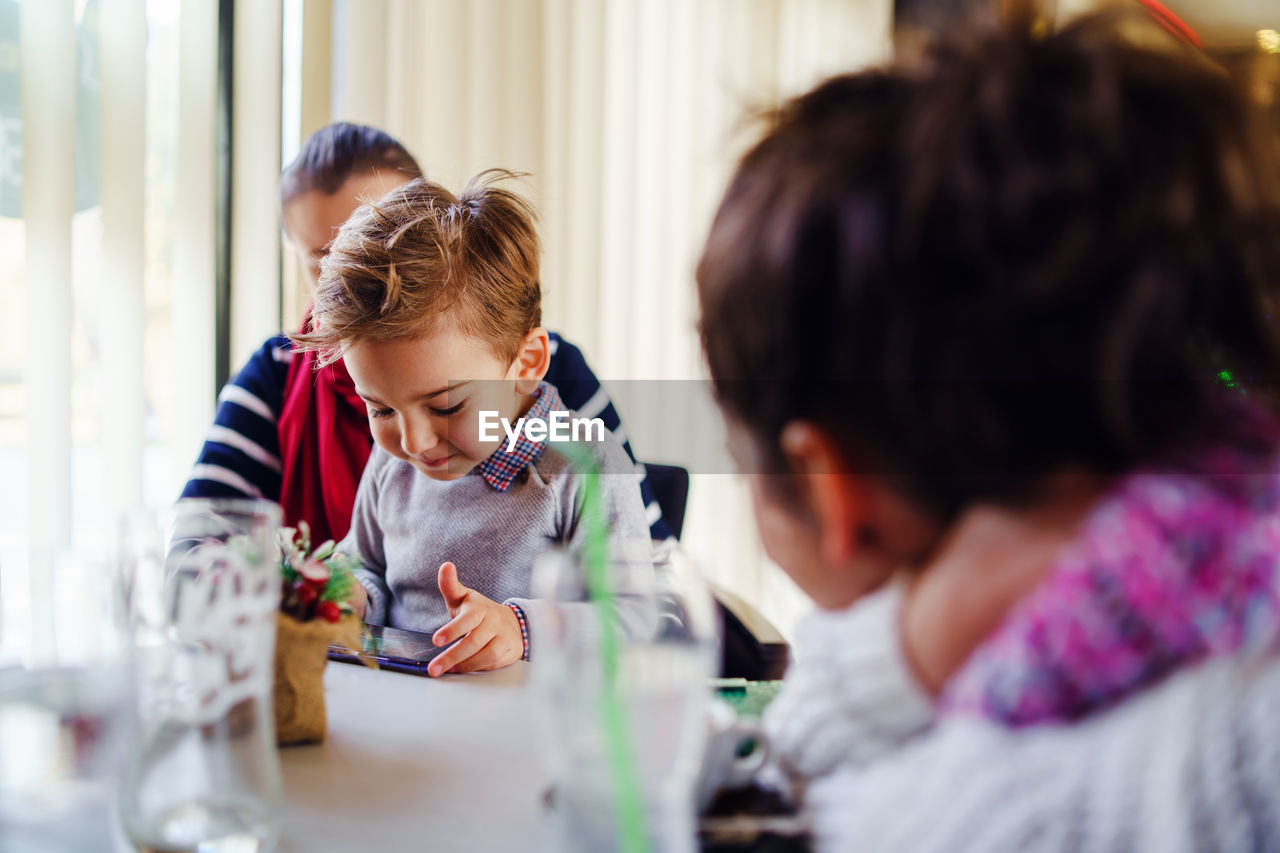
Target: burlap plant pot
301,654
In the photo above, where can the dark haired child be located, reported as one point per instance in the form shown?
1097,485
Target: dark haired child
291,430
968,315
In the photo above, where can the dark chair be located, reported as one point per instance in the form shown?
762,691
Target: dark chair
670,484
752,648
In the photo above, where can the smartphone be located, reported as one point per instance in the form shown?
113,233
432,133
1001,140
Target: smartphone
393,649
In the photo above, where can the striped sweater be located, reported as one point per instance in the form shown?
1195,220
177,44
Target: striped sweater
241,453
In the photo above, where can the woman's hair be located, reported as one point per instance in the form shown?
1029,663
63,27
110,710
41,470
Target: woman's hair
1018,252
405,262
339,151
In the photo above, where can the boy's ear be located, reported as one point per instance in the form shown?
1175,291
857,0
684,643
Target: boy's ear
838,498
532,361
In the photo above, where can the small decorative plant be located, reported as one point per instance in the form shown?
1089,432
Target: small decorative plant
314,614
316,584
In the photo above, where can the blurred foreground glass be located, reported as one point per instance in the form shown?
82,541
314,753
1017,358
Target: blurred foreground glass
204,593
64,695
623,684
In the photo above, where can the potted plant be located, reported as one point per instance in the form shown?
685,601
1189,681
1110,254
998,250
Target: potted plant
314,613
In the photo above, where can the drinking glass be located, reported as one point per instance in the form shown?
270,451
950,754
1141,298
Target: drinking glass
204,591
623,682
64,692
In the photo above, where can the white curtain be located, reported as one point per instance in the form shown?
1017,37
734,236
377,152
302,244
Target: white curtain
628,116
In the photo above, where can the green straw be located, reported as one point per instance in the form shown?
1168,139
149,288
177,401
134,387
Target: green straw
627,797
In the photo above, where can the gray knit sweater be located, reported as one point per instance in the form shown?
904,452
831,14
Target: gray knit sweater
406,524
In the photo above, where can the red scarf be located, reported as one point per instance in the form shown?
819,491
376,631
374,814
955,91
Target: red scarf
324,444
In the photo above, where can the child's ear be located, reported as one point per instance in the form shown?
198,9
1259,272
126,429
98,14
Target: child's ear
532,361
837,497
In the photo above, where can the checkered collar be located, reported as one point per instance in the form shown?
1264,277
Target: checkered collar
502,466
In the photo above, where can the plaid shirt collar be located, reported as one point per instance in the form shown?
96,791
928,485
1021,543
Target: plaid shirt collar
501,468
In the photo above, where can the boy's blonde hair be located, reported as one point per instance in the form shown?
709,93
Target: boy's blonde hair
402,263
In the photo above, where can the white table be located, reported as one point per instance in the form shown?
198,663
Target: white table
416,764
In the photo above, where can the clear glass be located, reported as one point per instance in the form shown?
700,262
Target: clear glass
204,592
64,693
624,697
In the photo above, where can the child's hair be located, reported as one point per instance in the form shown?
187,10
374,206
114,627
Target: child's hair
1020,252
402,263
339,151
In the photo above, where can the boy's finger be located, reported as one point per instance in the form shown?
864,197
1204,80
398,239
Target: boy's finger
466,647
487,658
450,587
464,623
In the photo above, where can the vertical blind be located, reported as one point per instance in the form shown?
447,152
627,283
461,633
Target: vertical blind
123,38
47,37
255,170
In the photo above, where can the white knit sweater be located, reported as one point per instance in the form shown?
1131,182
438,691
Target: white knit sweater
849,696
1189,765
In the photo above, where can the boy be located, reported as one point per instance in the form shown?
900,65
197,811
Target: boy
433,303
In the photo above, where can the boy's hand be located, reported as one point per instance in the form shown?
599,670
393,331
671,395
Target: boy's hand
490,631
359,600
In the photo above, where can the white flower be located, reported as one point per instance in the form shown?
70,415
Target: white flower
313,570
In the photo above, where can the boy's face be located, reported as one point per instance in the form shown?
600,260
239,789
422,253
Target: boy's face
424,395
312,220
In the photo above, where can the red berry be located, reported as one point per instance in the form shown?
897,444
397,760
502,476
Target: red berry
329,610
307,594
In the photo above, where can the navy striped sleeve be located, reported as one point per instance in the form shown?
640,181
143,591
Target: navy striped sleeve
241,453
581,391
